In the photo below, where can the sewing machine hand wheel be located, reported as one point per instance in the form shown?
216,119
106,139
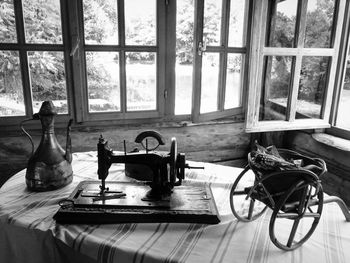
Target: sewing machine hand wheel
152,134
173,161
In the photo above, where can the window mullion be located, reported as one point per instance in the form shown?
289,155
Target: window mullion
162,64
78,62
122,72
170,58
333,67
198,32
68,47
225,23
343,55
256,62
27,91
297,61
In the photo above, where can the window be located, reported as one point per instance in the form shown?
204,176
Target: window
33,62
339,119
121,52
123,60
294,62
216,68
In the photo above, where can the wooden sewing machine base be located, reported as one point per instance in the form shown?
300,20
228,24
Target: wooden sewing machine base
125,203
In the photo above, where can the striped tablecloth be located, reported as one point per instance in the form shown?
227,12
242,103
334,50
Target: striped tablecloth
228,241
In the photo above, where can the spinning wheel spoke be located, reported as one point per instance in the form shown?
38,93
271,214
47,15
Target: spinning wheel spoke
292,233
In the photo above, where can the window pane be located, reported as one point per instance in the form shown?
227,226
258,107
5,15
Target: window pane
312,85
212,22
319,23
184,56
42,21
343,120
7,22
237,11
210,80
48,81
233,81
282,23
100,22
141,84
275,90
140,22
11,91
103,81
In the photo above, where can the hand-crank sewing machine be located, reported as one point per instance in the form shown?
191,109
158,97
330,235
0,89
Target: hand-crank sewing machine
161,196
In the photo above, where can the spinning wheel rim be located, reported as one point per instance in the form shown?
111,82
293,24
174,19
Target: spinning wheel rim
276,212
250,217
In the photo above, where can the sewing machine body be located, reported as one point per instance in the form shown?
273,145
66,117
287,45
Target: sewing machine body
161,197
164,169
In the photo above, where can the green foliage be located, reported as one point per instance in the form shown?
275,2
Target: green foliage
7,22
314,69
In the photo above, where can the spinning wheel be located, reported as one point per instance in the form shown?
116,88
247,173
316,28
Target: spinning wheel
301,216
293,193
244,206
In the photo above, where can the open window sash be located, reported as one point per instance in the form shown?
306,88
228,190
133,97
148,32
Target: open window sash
267,111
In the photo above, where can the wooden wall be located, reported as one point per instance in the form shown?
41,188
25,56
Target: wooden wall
337,179
225,142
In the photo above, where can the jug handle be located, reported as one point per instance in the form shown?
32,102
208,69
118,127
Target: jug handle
69,142
35,117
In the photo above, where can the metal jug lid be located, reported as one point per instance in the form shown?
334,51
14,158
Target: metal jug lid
47,108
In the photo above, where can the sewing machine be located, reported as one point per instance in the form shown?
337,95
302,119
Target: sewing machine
160,195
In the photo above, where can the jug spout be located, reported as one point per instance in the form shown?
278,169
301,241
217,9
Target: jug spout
68,156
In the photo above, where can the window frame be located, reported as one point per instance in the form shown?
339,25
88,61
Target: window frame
73,48
343,55
223,50
23,49
258,52
82,113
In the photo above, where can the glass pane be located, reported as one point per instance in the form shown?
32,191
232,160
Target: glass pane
140,22
48,80
100,22
210,80
11,91
233,81
7,22
184,56
103,81
276,86
312,85
282,23
343,120
42,21
319,23
212,22
141,84
236,33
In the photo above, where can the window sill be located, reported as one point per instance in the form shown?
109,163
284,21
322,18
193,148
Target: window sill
332,141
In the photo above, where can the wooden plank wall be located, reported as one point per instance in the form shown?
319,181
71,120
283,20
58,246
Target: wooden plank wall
224,143
337,180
